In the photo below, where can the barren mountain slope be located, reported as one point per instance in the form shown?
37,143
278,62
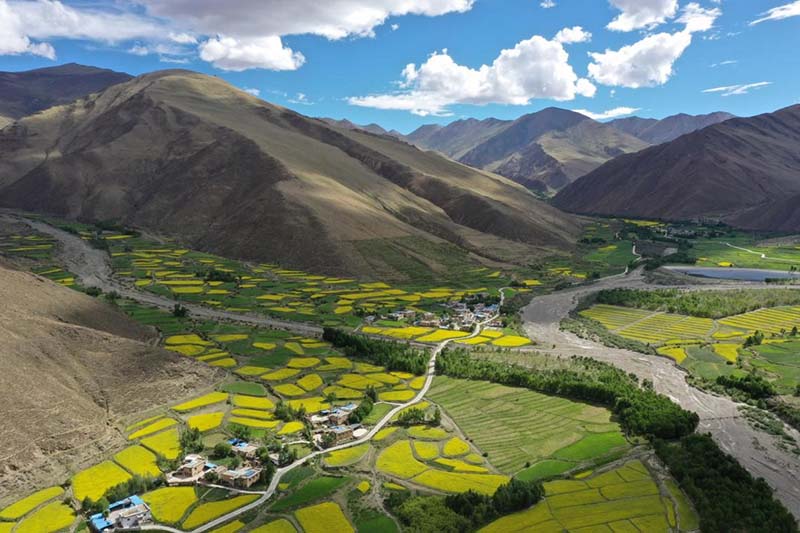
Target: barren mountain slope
24,93
724,170
654,131
74,372
189,155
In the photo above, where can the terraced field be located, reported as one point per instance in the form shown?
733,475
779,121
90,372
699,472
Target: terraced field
525,433
648,327
626,498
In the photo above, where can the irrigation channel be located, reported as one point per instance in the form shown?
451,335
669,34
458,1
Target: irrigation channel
756,450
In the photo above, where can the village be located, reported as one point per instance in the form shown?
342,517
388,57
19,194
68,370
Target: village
458,315
329,427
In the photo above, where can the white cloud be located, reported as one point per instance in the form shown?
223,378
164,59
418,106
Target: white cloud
608,114
576,34
734,90
250,90
300,98
13,38
175,60
534,68
333,19
785,11
724,63
229,53
638,14
239,35
650,61
547,4
395,27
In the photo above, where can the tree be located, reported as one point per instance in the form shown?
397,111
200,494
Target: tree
191,441
437,417
241,432
179,311
221,450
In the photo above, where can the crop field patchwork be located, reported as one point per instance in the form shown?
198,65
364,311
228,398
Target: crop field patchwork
517,426
323,518
626,498
647,326
346,456
54,516
138,461
206,512
24,506
169,504
165,444
94,482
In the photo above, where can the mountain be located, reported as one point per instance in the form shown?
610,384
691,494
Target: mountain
76,371
543,151
371,128
25,93
654,131
188,155
745,171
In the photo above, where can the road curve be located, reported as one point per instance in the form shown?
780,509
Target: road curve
755,450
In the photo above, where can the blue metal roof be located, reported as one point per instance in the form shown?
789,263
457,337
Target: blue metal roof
99,522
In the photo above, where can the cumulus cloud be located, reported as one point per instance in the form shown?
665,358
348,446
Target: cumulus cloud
638,14
576,34
547,4
239,35
534,68
650,61
608,114
785,11
733,90
228,53
254,92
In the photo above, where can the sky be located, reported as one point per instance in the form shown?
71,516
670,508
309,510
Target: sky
405,63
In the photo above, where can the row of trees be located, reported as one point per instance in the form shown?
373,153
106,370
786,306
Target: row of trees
641,410
467,511
704,304
726,496
392,355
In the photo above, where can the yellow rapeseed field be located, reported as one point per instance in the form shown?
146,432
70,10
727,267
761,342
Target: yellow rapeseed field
383,434
455,447
188,338
202,401
165,444
423,432
138,460
52,517
396,396
289,389
460,482
206,512
398,460
94,482
278,526
461,466
303,362
169,504
442,335
254,423
511,341
310,382
206,421
323,518
363,487
426,450
281,374
346,456
677,353
729,352
291,427
312,405
252,402
29,503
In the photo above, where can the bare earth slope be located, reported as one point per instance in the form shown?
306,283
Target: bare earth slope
191,156
25,93
724,170
73,372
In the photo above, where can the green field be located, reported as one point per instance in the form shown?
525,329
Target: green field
311,491
518,427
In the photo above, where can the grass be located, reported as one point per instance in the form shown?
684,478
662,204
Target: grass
375,523
22,507
518,427
323,518
54,516
544,469
138,461
169,504
314,490
206,512
95,481
347,456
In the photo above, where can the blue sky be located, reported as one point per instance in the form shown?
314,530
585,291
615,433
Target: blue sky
501,58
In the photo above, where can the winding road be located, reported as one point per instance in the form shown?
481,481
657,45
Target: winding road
756,451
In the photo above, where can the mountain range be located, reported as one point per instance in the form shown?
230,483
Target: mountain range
547,150
189,155
25,93
745,171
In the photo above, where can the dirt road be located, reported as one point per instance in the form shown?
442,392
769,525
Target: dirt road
755,450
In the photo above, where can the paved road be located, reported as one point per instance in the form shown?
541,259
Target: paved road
273,486
755,450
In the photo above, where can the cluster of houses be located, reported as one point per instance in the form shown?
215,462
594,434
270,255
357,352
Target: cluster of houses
196,468
129,513
334,422
459,316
